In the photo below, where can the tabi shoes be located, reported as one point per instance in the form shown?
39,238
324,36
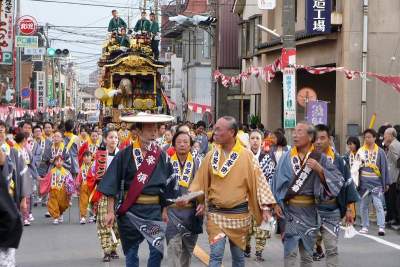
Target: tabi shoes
82,221
56,222
114,255
61,219
27,222
107,258
259,257
381,231
47,215
31,218
318,256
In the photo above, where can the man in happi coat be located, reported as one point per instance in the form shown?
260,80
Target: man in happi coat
373,181
184,224
116,22
235,190
301,177
332,209
137,179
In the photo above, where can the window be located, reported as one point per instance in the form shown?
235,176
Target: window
250,37
193,45
206,45
243,40
258,33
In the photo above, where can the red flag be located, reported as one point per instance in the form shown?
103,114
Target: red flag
393,81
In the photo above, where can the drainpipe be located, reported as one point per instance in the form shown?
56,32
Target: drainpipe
364,66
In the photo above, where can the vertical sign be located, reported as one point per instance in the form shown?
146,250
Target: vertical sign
318,16
6,31
317,112
266,4
40,87
289,98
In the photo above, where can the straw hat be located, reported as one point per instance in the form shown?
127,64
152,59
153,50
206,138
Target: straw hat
144,117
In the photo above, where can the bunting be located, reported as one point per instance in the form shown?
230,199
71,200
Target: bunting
268,73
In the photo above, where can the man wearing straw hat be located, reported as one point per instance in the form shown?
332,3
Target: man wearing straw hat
136,181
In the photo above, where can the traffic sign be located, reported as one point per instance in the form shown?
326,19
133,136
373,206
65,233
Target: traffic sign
27,41
25,92
6,58
35,51
27,25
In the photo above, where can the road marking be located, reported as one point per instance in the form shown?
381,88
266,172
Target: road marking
379,240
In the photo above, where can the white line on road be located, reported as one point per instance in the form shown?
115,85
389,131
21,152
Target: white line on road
379,240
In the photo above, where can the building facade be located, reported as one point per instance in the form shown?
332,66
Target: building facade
341,48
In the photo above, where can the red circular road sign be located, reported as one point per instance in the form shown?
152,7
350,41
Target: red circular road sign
27,25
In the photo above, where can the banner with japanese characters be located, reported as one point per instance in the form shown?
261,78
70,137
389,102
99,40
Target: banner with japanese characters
318,16
6,31
317,112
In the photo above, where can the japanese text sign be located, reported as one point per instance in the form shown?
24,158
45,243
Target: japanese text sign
6,31
318,16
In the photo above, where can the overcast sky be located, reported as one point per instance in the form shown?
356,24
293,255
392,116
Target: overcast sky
87,53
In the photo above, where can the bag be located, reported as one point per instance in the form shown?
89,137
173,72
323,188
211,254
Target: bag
44,185
349,231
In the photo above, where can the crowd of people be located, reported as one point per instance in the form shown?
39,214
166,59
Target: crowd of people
147,178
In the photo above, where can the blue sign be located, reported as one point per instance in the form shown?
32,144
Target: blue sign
26,92
317,112
318,16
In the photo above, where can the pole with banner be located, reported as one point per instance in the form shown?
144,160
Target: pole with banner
288,60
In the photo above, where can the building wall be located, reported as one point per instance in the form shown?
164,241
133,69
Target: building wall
342,49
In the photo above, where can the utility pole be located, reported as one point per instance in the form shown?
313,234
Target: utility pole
214,52
18,59
289,72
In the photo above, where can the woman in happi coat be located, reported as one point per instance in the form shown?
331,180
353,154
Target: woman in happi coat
56,149
91,145
60,189
183,225
103,159
371,163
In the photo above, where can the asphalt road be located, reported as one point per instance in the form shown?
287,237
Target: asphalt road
71,244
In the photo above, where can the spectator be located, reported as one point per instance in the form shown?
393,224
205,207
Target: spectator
393,156
201,137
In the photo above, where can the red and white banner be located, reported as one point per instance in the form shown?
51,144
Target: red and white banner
268,73
198,108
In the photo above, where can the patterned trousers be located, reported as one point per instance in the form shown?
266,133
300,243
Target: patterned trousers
261,237
103,232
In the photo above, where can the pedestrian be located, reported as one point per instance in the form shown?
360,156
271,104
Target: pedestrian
133,135
268,168
184,224
235,189
57,149
279,146
71,142
22,148
373,180
10,219
142,169
302,176
104,157
393,159
91,145
60,187
201,137
333,209
48,130
82,186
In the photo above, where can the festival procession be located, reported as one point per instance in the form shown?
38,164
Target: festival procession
199,133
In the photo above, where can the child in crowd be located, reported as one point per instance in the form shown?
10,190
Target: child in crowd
82,186
61,187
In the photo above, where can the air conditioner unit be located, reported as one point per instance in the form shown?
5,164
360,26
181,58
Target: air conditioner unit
168,56
336,18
